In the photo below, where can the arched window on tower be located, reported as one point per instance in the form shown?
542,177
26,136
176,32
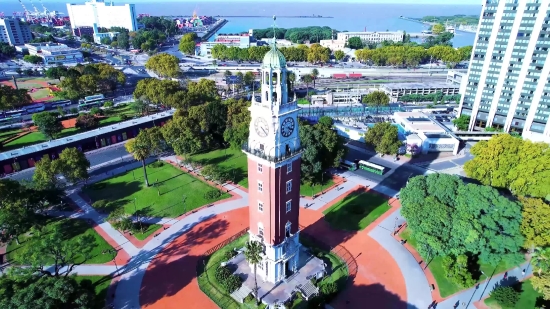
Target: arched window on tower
287,229
274,78
274,96
266,78
267,95
287,150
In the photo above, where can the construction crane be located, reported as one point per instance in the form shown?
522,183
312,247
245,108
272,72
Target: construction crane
25,11
1,14
35,9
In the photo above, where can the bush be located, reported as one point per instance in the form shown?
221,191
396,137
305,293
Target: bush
232,283
157,164
505,296
329,290
222,273
86,122
212,194
101,204
95,111
229,254
73,110
124,117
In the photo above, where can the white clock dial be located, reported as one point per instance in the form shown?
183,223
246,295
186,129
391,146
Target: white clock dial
261,126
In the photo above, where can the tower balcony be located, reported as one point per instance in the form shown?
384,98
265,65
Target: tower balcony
288,154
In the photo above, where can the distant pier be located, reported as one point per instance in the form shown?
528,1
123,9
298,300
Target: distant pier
217,26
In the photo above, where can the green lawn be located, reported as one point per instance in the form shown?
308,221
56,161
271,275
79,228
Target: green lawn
529,298
446,287
35,138
72,228
173,185
309,190
4,135
148,229
40,94
356,211
101,287
207,280
233,161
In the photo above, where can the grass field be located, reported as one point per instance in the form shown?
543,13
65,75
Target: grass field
72,228
101,287
148,229
128,190
356,211
446,287
309,190
114,116
40,94
233,161
4,135
529,299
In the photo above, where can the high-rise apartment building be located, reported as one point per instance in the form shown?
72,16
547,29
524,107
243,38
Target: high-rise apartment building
105,15
14,31
508,78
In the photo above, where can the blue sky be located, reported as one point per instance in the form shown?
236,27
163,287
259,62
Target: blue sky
455,2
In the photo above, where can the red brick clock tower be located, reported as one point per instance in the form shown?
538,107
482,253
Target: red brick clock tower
274,151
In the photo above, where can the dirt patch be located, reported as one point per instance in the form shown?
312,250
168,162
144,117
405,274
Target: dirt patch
69,123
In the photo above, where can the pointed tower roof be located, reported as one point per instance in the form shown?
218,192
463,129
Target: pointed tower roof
274,58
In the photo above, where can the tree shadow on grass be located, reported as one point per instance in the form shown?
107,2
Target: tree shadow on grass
112,191
356,206
214,160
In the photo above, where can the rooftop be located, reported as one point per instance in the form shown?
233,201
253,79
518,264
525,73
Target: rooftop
418,122
82,136
398,86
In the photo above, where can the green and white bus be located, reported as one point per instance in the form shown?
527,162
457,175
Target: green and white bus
91,101
371,167
349,165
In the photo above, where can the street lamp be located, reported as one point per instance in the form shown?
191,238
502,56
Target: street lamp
486,277
183,202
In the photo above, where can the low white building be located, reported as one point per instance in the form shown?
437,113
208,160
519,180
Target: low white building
372,36
333,44
427,133
54,53
457,78
101,35
229,40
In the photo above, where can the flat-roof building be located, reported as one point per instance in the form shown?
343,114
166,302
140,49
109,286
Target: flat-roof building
457,78
229,40
14,31
508,84
395,91
105,15
372,36
54,53
427,133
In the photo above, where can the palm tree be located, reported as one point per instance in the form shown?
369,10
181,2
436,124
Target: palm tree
307,79
541,256
252,254
141,151
292,79
314,75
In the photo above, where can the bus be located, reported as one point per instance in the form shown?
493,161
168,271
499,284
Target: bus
55,104
34,108
8,121
91,101
349,165
371,167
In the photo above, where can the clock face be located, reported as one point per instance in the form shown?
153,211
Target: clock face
287,127
261,126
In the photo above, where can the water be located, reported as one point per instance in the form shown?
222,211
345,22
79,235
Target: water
347,16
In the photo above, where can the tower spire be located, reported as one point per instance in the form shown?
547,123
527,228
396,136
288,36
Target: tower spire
274,27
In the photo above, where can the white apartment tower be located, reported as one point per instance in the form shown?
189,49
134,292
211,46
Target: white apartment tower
14,32
508,79
102,14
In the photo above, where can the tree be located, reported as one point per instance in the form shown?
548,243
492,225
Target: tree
322,149
114,44
164,65
140,107
74,165
505,296
86,122
535,226
376,99
238,123
507,162
314,74
161,92
106,41
20,289
227,73
108,104
18,210
11,98
291,76
145,144
252,254
318,53
48,124
54,246
6,50
339,55
240,77
355,43
187,43
541,259
465,52
45,174
383,136
449,217
462,123
248,78
307,79
33,59
123,40
438,28
541,283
